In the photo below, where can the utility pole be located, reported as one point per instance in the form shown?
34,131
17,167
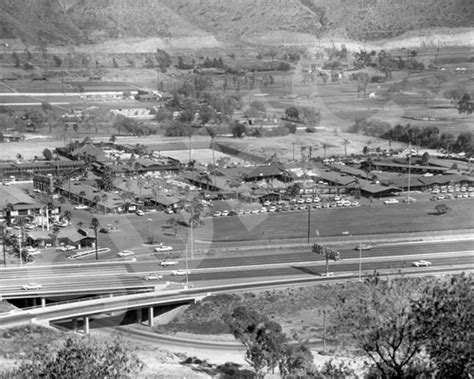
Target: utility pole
309,221
3,243
360,264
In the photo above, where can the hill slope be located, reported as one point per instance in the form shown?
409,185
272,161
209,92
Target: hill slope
74,21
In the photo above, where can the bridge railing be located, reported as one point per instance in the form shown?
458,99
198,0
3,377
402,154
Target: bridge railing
85,299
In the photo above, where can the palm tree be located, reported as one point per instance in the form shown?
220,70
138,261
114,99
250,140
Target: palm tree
325,146
95,225
345,141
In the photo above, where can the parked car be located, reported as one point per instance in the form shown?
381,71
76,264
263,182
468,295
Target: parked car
217,214
139,212
225,213
104,230
409,200
169,211
153,276
81,207
391,201
66,248
168,262
422,263
31,286
125,253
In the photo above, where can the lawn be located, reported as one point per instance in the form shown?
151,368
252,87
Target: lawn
401,218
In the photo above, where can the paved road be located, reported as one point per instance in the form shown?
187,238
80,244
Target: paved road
123,275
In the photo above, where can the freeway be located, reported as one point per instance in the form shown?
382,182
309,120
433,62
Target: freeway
122,276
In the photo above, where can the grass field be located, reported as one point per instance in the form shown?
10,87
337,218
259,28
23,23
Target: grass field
379,219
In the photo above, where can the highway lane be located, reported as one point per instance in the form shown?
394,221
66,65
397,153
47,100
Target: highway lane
285,255
317,270
123,282
125,275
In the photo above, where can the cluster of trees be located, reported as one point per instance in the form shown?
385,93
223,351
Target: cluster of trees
305,115
410,328
431,137
78,357
238,81
386,62
267,347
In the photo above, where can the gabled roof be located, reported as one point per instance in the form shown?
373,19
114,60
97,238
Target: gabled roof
337,178
16,197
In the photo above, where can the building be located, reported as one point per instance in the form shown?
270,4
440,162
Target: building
26,170
14,203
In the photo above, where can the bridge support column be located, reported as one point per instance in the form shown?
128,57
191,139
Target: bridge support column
150,317
139,316
86,325
43,302
74,324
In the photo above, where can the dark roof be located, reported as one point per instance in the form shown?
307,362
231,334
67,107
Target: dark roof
413,167
350,170
337,178
378,188
445,179
273,169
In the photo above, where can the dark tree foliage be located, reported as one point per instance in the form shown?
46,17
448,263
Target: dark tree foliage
80,358
465,104
238,130
445,314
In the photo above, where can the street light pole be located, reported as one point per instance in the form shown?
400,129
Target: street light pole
360,264
3,243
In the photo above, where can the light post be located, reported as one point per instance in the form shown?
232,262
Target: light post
149,231
309,220
3,245
360,264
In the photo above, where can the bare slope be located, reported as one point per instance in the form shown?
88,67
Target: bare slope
129,18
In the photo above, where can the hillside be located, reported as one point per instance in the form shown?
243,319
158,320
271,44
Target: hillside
77,21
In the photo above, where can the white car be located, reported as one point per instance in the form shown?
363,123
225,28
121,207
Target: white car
180,272
169,263
66,248
168,211
139,212
153,277
81,206
263,210
409,200
225,213
125,253
161,248
422,263
33,253
267,203
217,214
300,201
391,201
435,191
355,204
31,286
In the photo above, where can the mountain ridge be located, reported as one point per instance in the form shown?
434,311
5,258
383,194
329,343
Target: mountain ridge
72,22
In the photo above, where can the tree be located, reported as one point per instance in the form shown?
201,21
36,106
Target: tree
425,159
163,59
442,209
445,315
80,358
48,155
67,215
95,225
465,104
238,130
57,61
263,339
107,178
292,113
380,322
